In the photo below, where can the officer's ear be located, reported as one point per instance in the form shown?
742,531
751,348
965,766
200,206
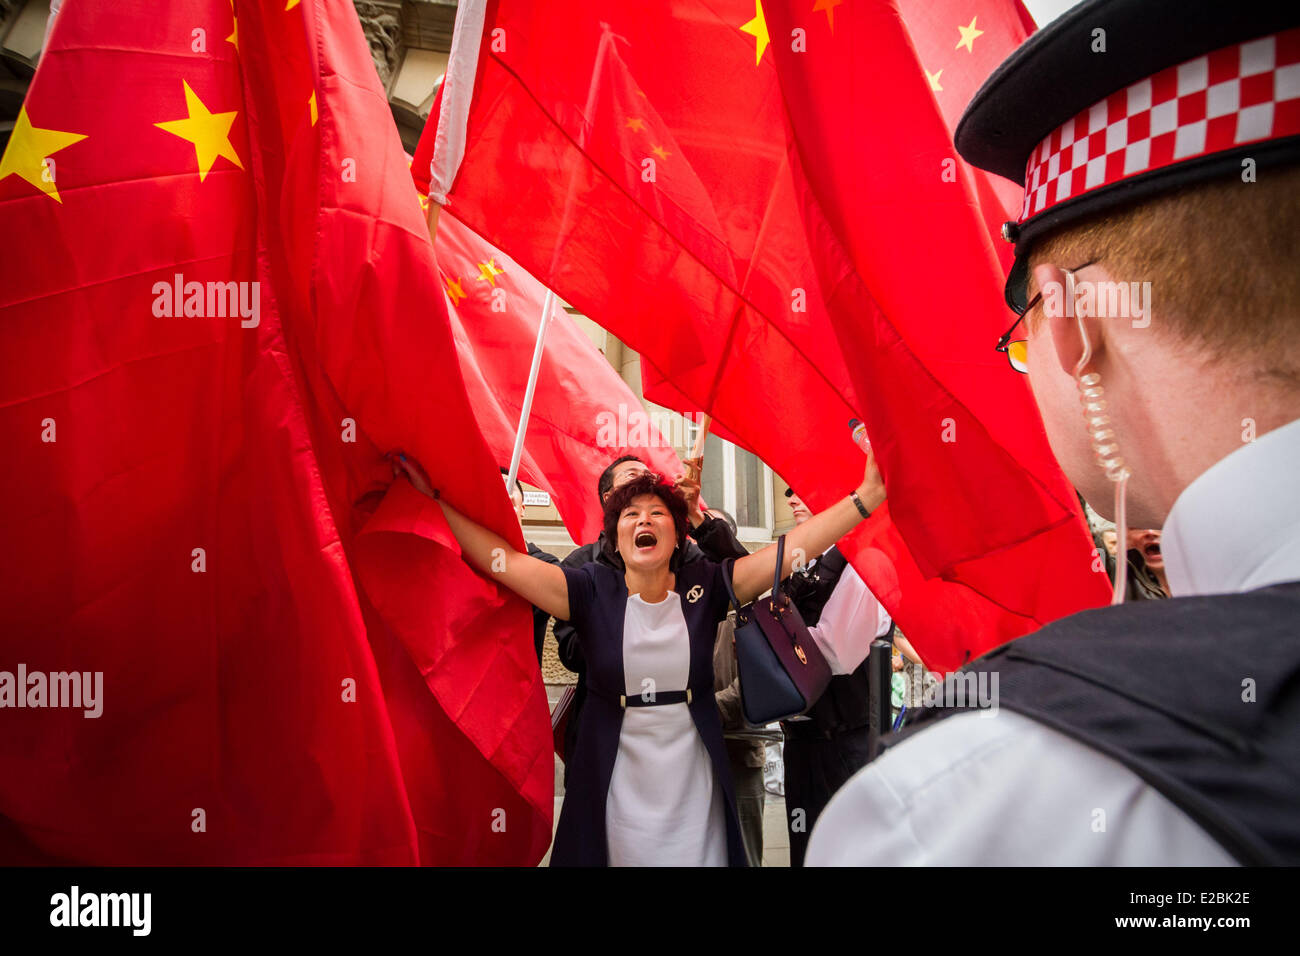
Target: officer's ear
1058,311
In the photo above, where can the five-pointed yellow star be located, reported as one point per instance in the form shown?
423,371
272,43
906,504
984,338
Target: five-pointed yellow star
291,4
455,290
661,152
829,6
488,271
635,124
311,105
209,132
968,35
234,32
934,79
29,147
757,28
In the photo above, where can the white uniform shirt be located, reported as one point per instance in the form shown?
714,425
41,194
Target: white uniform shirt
850,621
977,789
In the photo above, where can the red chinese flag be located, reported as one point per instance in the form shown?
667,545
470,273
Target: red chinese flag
583,415
946,386
228,314
648,164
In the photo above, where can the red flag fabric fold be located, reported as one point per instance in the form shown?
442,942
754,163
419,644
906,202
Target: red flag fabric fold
728,189
231,314
583,415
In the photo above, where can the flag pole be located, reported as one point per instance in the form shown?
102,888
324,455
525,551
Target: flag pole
530,390
697,453
706,421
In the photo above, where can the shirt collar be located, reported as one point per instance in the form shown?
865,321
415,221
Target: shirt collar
1237,526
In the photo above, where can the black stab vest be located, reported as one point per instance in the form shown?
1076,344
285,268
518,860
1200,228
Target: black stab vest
1198,696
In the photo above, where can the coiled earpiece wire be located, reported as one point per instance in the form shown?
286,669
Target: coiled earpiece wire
1104,444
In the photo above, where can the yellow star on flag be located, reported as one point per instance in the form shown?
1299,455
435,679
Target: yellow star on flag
488,271
661,152
635,124
234,32
29,147
455,290
291,4
757,28
934,79
209,132
968,35
829,6
311,104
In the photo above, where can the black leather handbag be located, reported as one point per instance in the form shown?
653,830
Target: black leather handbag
782,670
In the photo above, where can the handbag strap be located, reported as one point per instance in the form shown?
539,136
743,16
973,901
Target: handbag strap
776,576
780,560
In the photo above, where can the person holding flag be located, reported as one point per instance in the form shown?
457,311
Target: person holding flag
650,783
709,537
833,740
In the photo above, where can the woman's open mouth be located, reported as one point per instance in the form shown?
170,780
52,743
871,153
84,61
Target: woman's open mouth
645,539
1151,550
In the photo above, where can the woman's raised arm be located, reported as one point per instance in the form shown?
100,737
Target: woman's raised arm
753,575
541,584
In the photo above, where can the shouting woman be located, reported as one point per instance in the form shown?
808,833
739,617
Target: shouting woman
649,783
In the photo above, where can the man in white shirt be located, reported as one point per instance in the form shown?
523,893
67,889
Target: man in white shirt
829,743
1158,733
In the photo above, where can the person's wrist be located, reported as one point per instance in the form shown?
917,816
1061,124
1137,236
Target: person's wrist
866,499
872,494
855,497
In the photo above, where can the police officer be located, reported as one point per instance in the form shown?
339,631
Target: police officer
1160,732
828,744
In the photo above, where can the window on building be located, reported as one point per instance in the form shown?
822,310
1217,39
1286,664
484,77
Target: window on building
739,482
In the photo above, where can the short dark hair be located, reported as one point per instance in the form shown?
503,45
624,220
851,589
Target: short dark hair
518,486
607,476
622,496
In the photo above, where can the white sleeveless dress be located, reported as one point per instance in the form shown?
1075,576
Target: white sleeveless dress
665,807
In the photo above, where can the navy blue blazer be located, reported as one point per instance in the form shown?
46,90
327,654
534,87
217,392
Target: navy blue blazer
597,608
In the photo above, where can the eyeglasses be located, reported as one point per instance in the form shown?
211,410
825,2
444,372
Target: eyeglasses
1017,351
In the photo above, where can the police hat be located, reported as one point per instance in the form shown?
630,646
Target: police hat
1118,100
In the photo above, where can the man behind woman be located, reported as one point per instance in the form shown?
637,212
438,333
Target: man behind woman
649,781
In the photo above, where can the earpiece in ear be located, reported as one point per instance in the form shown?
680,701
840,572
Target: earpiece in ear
1105,445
